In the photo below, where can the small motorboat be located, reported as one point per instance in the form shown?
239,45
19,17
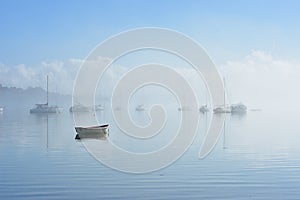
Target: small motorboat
238,108
92,132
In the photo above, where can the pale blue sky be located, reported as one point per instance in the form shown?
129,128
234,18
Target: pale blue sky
35,31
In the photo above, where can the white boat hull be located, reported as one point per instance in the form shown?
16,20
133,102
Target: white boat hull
50,109
94,132
79,109
220,110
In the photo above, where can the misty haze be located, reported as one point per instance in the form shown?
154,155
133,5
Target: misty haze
149,100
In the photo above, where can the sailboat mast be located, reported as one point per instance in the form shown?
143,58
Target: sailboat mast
206,96
47,89
224,92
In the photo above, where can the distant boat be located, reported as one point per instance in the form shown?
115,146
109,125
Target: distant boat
238,108
79,108
1,109
98,107
204,109
223,108
140,107
92,132
45,108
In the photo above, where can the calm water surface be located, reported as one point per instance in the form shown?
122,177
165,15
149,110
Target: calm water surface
257,158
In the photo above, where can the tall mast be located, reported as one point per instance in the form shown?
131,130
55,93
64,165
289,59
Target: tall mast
224,92
47,89
206,96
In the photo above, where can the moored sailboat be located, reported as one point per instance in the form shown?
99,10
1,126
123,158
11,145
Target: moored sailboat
222,108
44,107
